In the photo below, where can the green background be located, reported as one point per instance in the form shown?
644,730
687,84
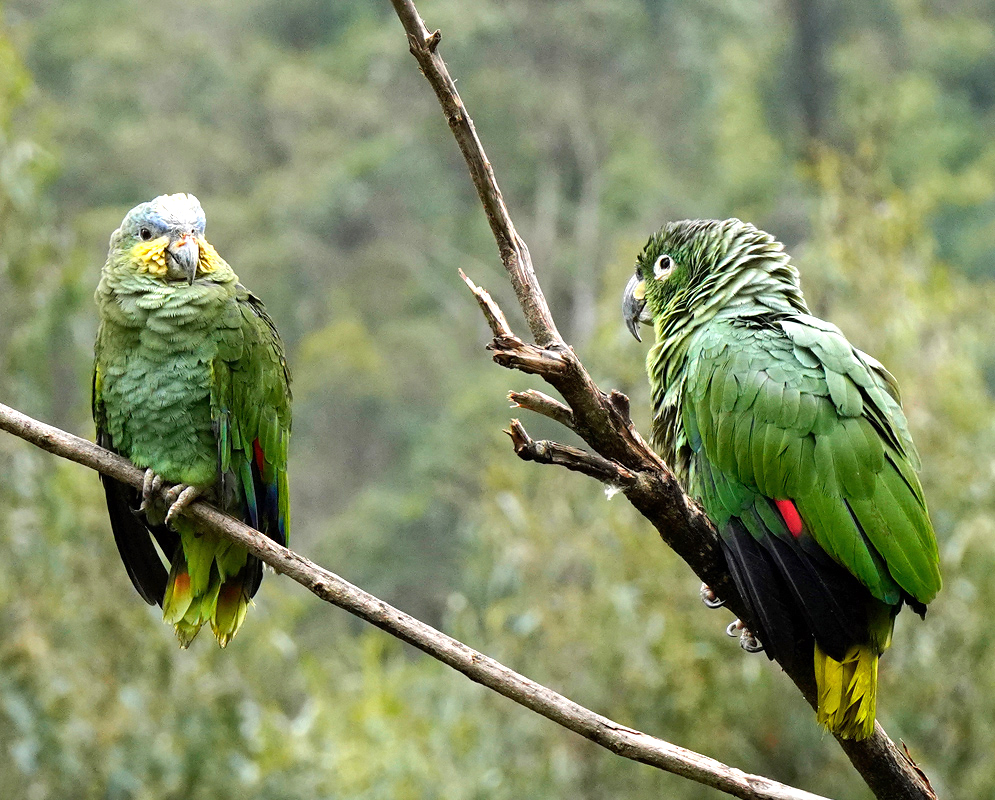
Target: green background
859,134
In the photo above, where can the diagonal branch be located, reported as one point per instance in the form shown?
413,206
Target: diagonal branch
514,253
590,464
540,403
602,420
328,586
492,312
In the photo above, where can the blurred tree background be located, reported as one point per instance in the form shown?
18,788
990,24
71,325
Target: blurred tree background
859,134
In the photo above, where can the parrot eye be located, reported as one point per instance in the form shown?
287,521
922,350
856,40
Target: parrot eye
145,233
662,267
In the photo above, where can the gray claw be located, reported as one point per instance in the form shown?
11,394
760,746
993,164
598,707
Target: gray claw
150,488
179,497
709,598
749,642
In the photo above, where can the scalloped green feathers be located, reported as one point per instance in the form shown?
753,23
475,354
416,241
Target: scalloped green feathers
190,379
829,437
796,445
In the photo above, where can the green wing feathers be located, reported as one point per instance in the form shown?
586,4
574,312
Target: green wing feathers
214,580
250,405
793,411
789,413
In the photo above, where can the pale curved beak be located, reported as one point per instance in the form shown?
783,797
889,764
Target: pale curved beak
184,253
634,305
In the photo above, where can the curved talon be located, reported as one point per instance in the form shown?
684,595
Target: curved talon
179,497
150,488
747,640
709,598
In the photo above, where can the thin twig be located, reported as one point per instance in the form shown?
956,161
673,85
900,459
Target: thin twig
328,586
543,451
541,403
603,420
513,353
492,312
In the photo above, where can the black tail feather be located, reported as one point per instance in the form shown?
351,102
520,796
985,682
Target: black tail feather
762,588
134,543
794,594
831,601
254,572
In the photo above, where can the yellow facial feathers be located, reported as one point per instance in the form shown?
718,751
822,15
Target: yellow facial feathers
151,256
209,258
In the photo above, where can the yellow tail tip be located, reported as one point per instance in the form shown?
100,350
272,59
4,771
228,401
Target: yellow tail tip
179,596
847,691
229,611
185,633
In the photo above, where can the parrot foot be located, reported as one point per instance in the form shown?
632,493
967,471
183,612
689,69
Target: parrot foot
150,488
178,498
747,640
709,598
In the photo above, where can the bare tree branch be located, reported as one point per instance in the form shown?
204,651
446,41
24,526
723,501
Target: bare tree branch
591,464
514,253
540,403
328,586
492,312
603,420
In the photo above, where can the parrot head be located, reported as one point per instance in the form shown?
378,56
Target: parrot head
695,263
165,238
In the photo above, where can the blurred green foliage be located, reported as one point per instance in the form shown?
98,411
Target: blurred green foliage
860,134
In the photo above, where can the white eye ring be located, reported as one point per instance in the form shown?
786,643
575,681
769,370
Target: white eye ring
663,267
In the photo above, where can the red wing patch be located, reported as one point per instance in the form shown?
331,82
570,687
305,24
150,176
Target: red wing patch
791,517
181,583
260,458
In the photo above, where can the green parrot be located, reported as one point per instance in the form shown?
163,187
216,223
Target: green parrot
795,444
190,382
